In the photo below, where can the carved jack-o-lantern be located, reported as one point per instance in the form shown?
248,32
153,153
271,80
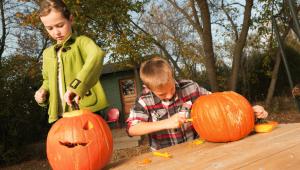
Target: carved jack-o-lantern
80,140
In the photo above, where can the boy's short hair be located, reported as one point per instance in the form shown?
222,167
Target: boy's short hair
156,72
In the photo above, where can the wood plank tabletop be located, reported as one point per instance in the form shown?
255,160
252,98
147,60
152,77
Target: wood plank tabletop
276,150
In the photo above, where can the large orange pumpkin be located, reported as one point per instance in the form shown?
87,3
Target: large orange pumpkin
222,117
81,140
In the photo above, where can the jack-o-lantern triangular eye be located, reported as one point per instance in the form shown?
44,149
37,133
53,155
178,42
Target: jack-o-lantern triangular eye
88,125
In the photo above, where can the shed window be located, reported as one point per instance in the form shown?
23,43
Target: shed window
128,87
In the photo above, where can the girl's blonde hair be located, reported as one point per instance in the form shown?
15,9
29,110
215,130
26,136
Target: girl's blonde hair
46,6
156,72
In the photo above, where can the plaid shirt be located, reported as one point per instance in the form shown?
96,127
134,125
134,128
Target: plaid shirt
149,108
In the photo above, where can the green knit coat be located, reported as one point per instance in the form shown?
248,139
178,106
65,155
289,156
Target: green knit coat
82,62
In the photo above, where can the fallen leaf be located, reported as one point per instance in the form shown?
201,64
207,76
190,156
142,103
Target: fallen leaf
145,161
198,141
164,154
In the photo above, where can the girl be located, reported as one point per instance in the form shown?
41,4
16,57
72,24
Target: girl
71,67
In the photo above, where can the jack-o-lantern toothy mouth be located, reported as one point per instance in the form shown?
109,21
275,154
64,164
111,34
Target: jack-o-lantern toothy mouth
72,145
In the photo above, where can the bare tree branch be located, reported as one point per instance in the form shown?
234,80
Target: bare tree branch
160,46
196,17
233,25
236,3
198,28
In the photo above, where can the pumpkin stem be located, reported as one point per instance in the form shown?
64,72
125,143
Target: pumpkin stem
73,113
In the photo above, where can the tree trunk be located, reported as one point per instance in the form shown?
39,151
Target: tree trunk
208,45
3,37
272,86
239,46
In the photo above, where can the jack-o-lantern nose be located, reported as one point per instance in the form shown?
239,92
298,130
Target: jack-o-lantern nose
88,125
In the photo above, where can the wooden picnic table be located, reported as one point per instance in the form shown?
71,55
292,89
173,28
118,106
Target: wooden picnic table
279,149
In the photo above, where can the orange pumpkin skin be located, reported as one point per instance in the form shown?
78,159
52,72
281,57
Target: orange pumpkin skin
80,140
222,117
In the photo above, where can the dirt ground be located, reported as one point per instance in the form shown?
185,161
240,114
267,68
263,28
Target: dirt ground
40,162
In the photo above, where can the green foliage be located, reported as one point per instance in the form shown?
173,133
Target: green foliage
255,76
109,23
293,59
22,121
257,71
192,71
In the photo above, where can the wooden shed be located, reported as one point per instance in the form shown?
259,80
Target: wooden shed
121,90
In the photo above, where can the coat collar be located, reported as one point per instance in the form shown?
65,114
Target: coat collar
69,41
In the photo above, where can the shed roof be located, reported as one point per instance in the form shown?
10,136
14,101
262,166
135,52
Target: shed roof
112,68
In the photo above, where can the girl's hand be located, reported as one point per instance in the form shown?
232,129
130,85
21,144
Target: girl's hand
40,96
260,112
69,96
175,121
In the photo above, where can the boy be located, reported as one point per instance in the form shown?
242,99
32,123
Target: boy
163,107
296,95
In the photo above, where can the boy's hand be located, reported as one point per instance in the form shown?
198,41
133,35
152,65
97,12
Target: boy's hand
40,96
260,112
175,121
69,96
